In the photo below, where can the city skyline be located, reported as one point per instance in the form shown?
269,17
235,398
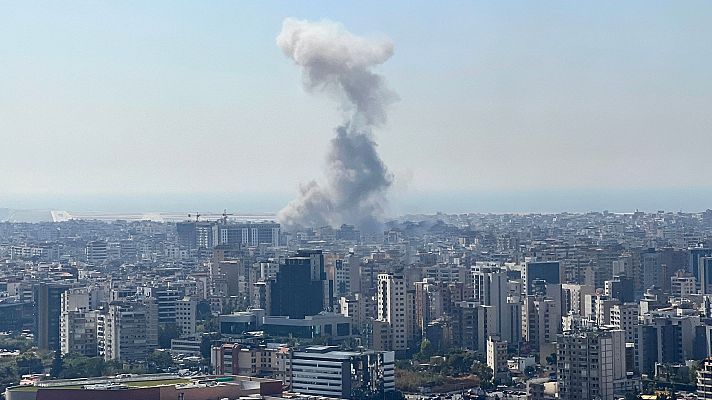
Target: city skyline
367,200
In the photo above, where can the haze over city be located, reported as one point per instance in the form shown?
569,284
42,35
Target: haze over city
134,106
372,200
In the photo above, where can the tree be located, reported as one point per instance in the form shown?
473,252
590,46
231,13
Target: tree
57,365
78,366
426,350
159,360
8,374
212,324
202,310
166,333
29,363
207,342
692,376
484,372
460,362
529,371
551,359
113,367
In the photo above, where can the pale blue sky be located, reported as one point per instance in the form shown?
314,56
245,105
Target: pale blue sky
180,98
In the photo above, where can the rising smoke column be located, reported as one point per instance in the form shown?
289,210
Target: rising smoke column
339,63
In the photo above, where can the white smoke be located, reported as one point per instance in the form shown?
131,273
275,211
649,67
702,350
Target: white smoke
339,63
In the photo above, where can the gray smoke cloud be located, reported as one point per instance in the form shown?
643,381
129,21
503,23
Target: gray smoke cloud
339,63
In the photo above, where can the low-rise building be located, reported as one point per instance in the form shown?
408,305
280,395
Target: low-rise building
325,371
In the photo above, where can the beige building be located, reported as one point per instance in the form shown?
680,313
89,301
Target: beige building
128,330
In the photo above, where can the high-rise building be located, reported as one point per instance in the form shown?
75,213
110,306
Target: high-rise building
225,276
186,309
78,332
166,297
428,303
497,356
196,234
589,362
342,278
246,234
128,331
300,287
249,360
78,323
465,323
208,234
97,251
261,297
694,263
392,309
355,307
704,379
625,317
491,289
682,284
705,275
598,308
666,339
620,288
47,311
573,298
651,268
547,271
541,320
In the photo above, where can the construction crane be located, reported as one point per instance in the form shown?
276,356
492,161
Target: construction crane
224,216
221,217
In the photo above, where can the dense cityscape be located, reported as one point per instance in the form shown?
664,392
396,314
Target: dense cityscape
317,200
513,306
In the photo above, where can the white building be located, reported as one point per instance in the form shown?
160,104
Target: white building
625,317
97,252
704,380
186,310
355,307
573,298
682,285
78,332
491,289
497,356
324,371
77,324
392,309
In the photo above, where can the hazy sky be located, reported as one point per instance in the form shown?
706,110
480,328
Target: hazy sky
145,99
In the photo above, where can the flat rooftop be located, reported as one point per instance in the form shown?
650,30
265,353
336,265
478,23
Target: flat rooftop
135,381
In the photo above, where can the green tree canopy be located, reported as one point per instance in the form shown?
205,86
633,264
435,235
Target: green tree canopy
166,333
79,366
426,350
159,360
29,363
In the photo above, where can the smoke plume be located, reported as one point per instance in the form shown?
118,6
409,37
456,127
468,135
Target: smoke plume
338,63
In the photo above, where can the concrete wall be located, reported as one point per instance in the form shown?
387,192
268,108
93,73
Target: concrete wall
79,394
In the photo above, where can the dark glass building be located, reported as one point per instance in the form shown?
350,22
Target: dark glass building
48,308
547,271
300,287
695,254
